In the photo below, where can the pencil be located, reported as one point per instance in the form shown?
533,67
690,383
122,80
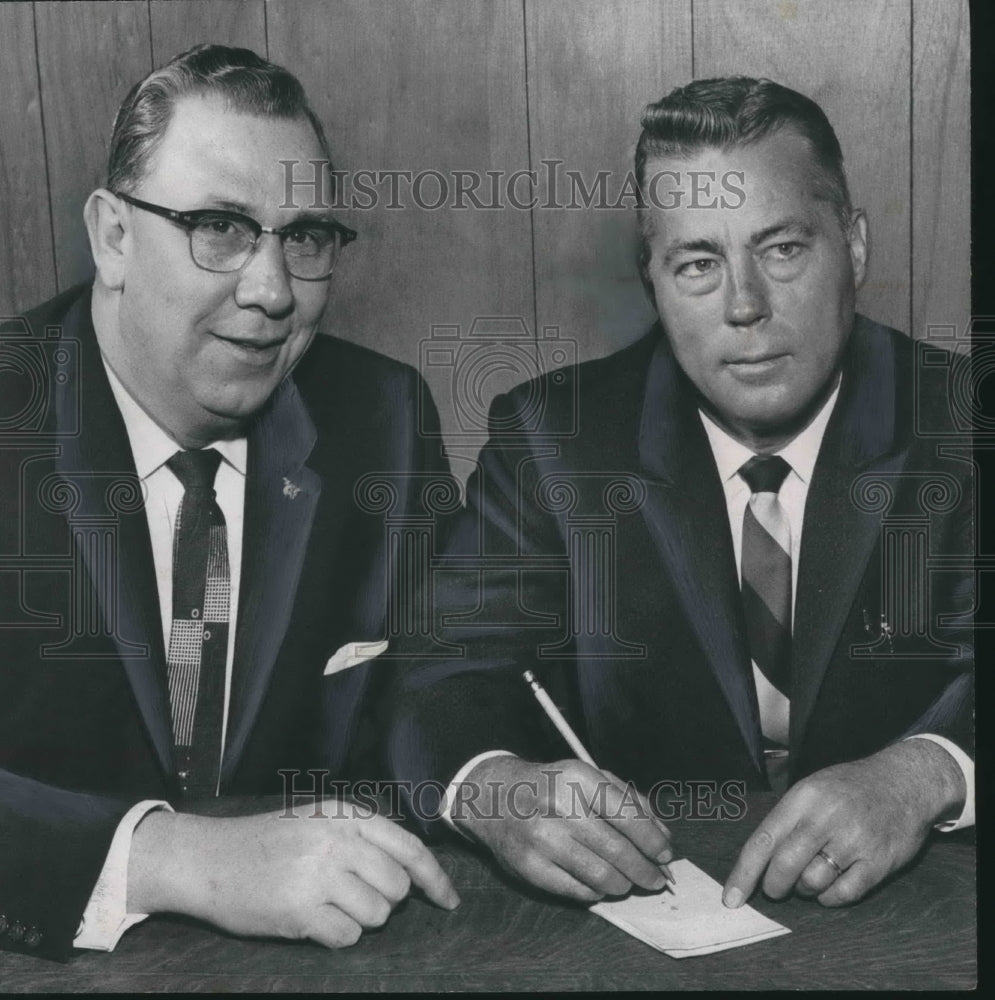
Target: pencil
564,729
556,717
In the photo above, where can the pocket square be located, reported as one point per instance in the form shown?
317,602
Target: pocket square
352,654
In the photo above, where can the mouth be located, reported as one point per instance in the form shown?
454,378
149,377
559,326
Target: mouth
257,350
758,366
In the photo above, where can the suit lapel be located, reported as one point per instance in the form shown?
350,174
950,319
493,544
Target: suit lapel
838,536
99,466
281,495
686,515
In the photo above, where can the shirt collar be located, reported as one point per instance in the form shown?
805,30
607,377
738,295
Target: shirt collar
151,446
800,453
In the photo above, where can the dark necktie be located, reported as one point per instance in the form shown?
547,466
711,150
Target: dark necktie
766,570
198,638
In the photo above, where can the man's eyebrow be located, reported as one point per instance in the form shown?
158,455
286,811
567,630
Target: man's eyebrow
789,227
227,205
316,216
683,247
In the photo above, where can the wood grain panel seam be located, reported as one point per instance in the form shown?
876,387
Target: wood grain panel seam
528,149
692,40
44,144
148,21
912,172
148,18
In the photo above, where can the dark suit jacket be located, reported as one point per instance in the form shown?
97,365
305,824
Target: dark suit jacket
84,708
610,571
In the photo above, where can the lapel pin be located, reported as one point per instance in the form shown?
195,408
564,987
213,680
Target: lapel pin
885,630
886,633
290,489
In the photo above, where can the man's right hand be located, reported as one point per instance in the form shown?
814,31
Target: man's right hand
269,875
565,827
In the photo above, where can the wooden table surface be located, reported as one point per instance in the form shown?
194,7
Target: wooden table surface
916,932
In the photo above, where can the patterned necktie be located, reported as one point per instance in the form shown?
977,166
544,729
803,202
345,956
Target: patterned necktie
766,570
198,638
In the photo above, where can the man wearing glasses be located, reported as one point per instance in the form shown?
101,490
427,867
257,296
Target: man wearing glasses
203,628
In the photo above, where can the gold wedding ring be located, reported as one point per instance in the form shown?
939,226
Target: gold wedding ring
831,862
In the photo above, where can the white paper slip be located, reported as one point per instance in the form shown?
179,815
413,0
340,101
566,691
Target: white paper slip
691,920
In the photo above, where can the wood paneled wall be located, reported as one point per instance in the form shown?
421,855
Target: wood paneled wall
504,85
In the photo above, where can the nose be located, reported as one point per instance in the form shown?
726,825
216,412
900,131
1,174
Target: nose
746,295
264,282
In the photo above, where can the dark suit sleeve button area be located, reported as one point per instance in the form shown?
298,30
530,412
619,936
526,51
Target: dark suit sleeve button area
32,938
16,931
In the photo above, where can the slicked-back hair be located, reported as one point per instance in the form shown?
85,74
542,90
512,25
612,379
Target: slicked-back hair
735,111
245,81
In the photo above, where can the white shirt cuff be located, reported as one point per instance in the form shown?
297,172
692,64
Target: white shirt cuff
966,817
106,916
451,797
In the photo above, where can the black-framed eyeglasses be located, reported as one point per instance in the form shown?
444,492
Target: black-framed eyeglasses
223,241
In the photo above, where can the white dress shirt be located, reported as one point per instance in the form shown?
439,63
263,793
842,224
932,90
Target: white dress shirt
800,454
106,917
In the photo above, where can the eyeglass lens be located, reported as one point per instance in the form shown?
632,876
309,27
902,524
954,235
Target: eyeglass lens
220,243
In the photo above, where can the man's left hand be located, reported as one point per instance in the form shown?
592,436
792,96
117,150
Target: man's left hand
839,832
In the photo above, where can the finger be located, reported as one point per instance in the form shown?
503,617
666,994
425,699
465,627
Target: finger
630,792
667,854
818,875
357,899
576,859
792,856
414,857
852,885
646,833
628,813
602,839
546,874
333,928
379,870
755,856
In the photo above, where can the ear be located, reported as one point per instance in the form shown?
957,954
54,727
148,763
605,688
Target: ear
857,239
108,226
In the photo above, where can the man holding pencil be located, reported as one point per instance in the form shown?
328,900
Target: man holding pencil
699,567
